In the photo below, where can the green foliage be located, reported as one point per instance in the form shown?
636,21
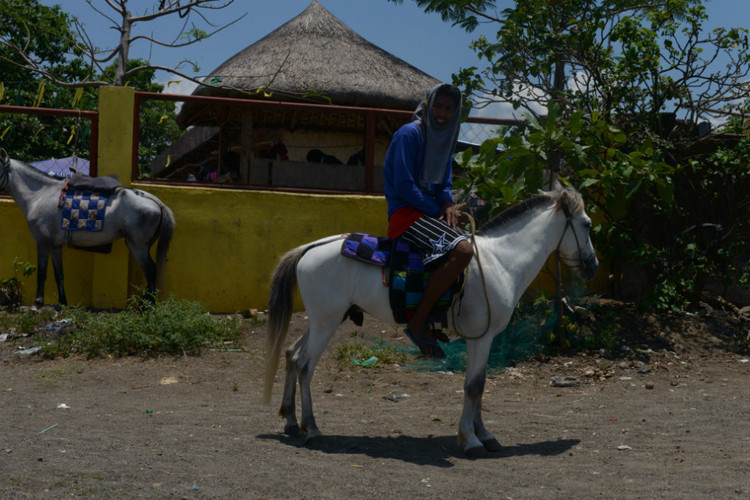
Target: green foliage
511,167
459,12
712,220
143,329
47,36
596,80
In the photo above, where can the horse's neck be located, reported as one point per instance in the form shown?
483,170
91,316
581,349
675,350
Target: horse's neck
520,249
26,185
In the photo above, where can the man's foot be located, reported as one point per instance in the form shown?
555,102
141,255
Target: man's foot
427,342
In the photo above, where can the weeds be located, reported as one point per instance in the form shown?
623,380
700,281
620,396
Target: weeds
10,288
142,329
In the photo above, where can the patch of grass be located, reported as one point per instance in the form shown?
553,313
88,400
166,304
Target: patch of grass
54,376
385,352
25,321
142,329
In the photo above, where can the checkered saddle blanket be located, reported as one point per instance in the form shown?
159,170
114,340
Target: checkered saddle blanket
82,210
407,274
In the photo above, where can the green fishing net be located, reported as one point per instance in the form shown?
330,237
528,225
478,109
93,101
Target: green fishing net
526,335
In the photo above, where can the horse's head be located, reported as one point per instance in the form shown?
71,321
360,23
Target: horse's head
575,246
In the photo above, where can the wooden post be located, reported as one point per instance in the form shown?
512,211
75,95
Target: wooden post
246,146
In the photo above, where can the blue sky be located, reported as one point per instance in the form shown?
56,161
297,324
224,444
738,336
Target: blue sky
404,30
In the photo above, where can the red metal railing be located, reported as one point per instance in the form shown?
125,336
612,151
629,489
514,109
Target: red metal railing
74,113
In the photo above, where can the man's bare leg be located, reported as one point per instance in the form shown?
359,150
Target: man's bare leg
442,278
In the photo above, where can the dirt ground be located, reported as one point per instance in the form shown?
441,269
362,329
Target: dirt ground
666,418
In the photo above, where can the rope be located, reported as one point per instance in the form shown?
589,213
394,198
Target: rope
463,285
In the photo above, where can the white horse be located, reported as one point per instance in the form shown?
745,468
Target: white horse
139,217
510,250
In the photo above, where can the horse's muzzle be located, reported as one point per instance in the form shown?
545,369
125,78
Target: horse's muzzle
589,267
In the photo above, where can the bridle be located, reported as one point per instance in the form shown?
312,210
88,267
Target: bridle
581,264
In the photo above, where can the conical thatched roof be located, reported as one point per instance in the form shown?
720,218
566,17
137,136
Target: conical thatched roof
316,53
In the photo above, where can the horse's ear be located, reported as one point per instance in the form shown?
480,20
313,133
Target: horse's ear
570,201
3,155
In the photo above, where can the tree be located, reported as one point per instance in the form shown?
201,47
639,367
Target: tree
613,92
32,137
46,59
26,41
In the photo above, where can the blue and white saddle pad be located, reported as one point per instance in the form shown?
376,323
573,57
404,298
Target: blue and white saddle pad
83,211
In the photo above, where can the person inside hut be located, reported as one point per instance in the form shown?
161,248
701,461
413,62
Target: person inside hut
421,210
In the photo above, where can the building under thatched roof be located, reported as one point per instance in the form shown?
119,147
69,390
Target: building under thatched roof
314,57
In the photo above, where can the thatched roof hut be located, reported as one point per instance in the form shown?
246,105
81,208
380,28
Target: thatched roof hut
314,57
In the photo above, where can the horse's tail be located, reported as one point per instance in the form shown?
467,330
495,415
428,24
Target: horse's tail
166,230
280,304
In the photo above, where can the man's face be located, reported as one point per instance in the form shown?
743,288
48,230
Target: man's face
443,110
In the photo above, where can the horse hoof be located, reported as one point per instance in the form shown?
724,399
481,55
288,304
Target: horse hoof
312,438
291,430
476,452
492,445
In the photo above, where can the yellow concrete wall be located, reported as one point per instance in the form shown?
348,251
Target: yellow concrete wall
227,242
109,278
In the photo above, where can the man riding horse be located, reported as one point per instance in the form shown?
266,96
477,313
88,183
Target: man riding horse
418,181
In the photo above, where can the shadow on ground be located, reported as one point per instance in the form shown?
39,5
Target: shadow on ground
431,450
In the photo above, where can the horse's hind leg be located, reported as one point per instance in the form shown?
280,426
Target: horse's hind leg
42,261
147,264
57,267
318,335
43,253
287,409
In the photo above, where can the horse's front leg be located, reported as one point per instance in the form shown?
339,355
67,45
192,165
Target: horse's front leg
57,267
472,435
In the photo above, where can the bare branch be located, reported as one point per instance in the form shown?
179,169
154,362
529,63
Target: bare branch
189,42
174,7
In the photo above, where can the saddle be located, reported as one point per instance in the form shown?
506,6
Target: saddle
83,200
81,182
407,274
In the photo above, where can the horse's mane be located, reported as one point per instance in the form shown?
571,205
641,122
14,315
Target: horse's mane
567,199
36,173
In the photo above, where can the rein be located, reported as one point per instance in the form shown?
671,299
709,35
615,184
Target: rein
463,285
568,224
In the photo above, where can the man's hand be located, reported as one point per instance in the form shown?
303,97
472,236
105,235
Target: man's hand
453,214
